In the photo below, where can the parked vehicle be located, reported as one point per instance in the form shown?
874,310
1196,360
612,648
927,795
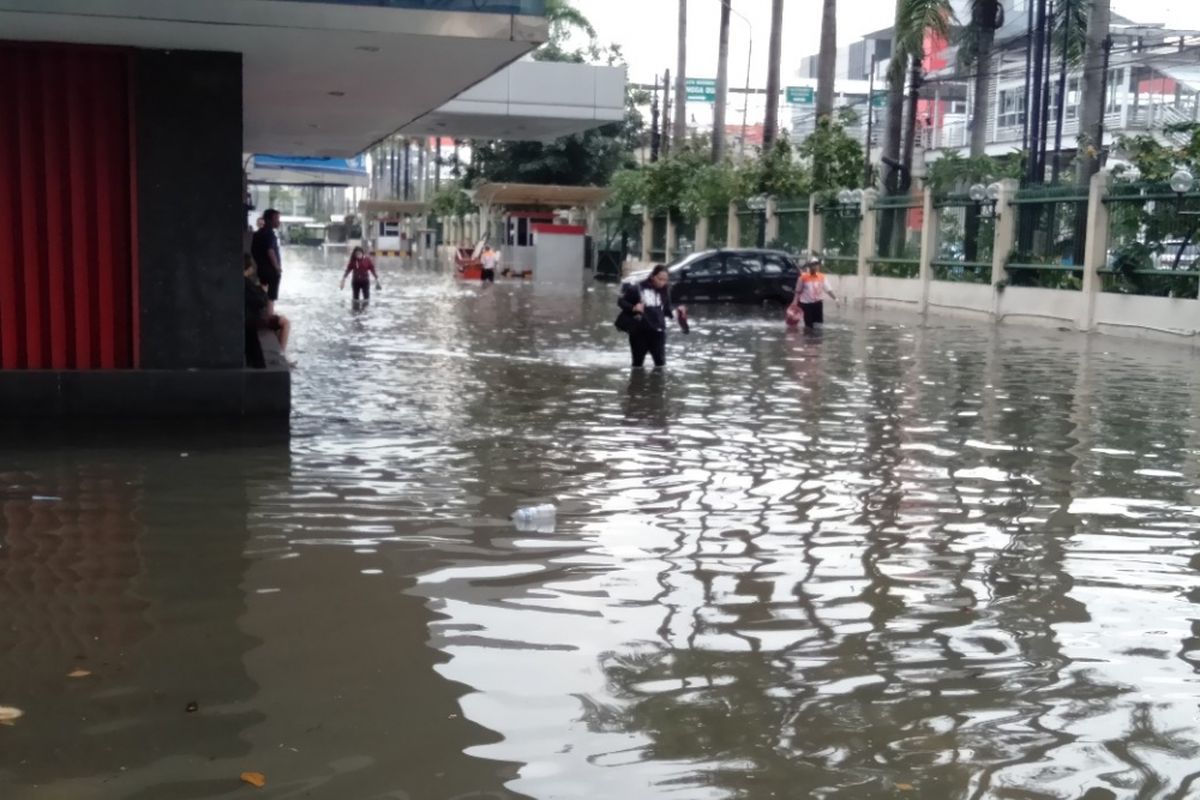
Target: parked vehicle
733,276
1187,260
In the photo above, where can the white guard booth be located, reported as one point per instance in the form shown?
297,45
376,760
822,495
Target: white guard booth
559,255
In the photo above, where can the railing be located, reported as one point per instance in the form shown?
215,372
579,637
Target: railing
792,225
1050,238
1152,248
658,239
750,222
841,238
966,237
897,252
718,230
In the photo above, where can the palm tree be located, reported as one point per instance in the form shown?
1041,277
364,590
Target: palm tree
718,135
771,119
680,132
975,52
914,19
827,60
1092,102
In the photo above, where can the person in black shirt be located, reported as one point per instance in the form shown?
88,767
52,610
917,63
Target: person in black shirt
264,247
647,307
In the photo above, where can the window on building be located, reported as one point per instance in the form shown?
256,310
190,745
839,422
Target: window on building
1012,108
1116,78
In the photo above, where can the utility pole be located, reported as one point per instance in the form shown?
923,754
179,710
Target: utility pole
1044,134
1025,148
655,136
870,122
680,132
665,145
718,134
1108,45
1062,93
1034,96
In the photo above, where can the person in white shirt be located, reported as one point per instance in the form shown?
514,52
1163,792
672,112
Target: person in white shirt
491,262
810,294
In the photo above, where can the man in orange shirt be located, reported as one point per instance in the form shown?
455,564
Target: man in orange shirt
810,293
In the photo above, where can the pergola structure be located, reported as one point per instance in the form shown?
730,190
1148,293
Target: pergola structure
525,198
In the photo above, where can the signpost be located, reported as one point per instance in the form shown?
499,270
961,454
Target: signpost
702,90
800,95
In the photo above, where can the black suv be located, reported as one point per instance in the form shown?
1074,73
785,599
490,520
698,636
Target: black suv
734,276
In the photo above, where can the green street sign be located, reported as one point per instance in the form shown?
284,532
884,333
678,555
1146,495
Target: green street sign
702,90
800,95
879,100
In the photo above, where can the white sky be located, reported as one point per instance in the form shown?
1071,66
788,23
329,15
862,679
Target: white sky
647,30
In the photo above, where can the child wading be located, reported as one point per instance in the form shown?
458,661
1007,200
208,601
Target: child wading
363,268
810,294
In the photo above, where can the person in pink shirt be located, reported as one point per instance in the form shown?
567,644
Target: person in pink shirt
363,269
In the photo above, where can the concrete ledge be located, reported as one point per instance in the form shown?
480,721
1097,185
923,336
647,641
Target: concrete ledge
210,394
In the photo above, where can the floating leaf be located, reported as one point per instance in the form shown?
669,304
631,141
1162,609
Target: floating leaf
8,715
904,787
78,673
192,706
254,779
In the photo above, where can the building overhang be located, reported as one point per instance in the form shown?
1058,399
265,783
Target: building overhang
546,196
530,101
319,78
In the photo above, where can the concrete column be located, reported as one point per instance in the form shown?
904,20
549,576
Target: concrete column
1095,248
1005,238
669,243
929,246
816,227
647,234
772,220
733,229
702,233
866,239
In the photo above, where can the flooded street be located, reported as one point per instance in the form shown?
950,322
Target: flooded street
939,560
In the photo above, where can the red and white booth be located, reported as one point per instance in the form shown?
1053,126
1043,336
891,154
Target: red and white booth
559,254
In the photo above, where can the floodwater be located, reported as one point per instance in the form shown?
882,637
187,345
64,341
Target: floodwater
936,560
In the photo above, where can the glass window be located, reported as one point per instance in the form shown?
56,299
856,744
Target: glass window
745,264
1012,108
777,265
706,268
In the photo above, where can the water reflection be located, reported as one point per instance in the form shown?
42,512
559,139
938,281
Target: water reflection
931,559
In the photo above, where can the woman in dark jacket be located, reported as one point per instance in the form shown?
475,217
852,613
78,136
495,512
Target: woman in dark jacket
646,306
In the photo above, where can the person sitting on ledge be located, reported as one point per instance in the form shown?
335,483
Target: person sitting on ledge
258,317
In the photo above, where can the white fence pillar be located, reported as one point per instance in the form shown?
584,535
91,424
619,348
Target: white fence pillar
701,233
866,239
1004,238
733,228
669,243
816,228
929,246
1095,249
771,224
647,234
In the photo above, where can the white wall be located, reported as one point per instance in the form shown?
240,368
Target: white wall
967,299
1045,307
1152,317
893,291
559,259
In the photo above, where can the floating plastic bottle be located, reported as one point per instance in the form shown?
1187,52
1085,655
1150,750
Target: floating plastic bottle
540,518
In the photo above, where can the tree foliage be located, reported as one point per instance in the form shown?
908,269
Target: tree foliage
583,159
834,159
955,173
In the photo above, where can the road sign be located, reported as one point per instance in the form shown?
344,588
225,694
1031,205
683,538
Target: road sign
701,89
800,95
879,100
